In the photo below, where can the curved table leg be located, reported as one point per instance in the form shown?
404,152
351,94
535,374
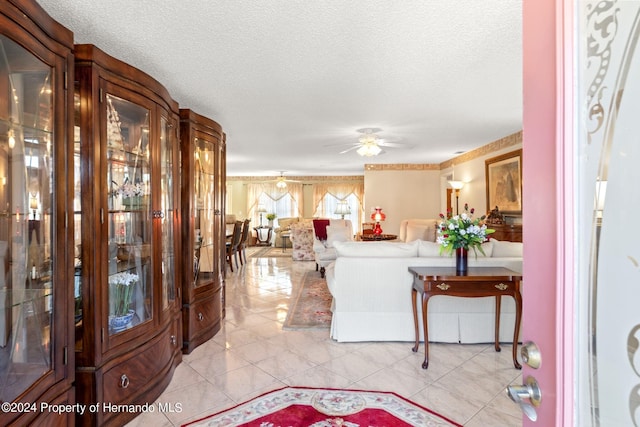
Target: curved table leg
518,298
497,332
425,327
414,304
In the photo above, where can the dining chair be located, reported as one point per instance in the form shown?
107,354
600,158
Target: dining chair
232,245
243,241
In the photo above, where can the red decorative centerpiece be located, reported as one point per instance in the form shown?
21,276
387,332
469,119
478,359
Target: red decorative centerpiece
378,216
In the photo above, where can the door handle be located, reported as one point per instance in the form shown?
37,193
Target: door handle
528,391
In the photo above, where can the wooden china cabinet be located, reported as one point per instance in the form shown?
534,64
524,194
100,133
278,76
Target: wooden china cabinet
36,63
126,203
203,228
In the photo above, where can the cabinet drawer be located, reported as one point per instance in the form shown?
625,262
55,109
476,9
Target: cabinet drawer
204,314
132,376
471,288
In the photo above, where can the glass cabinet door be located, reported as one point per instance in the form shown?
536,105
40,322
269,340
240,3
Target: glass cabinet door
26,219
128,178
167,197
205,264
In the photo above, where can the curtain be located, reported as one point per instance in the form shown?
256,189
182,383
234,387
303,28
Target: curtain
269,189
340,191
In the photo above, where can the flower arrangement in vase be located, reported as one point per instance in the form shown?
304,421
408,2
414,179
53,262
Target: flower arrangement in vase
121,288
460,233
133,195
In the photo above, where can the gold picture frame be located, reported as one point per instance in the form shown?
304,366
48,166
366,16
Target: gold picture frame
504,182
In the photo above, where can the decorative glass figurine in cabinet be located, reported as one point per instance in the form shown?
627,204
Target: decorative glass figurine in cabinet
26,219
128,177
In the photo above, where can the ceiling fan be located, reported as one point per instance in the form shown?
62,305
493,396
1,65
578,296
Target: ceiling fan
281,181
369,143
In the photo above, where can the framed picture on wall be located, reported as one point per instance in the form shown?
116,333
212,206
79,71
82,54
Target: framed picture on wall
504,182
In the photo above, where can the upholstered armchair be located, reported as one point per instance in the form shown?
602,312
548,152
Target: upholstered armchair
301,236
284,226
326,233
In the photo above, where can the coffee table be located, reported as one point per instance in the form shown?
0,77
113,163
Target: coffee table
285,235
377,237
477,282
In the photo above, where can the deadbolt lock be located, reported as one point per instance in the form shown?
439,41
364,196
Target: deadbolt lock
531,354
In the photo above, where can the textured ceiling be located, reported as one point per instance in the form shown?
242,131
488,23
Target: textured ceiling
291,81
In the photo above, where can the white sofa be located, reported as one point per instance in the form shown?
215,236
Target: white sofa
371,288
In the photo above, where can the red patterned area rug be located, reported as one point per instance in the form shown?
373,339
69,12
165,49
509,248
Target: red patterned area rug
310,306
300,406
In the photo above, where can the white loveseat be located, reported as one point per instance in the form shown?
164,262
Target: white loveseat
371,288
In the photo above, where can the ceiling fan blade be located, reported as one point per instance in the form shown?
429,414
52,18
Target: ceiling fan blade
392,144
349,149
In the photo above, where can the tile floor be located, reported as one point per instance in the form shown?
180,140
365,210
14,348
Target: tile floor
252,355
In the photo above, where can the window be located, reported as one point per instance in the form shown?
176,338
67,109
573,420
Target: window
329,205
283,208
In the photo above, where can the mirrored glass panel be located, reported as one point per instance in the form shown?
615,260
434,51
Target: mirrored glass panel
26,219
205,261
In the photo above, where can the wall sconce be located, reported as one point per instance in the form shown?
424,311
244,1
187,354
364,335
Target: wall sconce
342,209
378,216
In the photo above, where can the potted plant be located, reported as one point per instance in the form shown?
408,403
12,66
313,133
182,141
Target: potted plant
271,217
121,288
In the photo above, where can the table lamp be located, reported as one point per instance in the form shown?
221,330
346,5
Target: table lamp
261,211
342,209
378,216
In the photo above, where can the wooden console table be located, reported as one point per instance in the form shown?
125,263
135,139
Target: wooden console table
478,282
259,240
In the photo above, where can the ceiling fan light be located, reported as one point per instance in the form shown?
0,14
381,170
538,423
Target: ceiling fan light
369,150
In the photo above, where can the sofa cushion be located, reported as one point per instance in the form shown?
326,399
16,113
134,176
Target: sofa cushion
420,232
487,248
376,249
428,248
337,233
285,223
506,249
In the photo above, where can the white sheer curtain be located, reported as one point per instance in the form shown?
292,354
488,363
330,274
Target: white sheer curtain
340,192
256,190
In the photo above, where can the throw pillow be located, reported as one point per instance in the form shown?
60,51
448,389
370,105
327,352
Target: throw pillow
376,249
487,247
320,228
337,233
506,249
421,232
